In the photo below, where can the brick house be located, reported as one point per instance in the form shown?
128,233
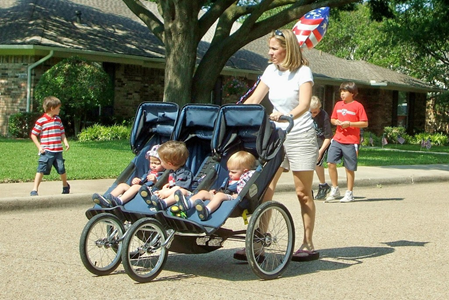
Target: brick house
35,35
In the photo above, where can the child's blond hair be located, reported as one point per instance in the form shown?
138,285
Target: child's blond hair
315,102
50,102
241,160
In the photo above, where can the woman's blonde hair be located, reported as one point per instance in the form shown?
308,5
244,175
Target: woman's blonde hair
241,160
293,54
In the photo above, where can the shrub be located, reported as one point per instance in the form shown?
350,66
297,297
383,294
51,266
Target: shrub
437,139
98,132
81,85
376,141
234,86
21,124
393,133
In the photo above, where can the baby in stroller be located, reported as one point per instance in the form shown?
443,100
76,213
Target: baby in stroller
240,167
173,156
124,192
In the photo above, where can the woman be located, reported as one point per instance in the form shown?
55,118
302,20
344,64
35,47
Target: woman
288,81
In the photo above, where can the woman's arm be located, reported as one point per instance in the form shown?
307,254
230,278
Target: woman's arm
258,94
305,95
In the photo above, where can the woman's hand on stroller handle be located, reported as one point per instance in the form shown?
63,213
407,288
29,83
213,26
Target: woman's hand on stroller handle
289,119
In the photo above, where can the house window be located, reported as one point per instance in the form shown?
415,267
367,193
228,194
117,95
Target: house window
402,115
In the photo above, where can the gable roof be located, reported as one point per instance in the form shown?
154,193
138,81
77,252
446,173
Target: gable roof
109,31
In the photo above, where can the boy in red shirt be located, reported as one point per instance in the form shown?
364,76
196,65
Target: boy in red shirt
349,116
51,132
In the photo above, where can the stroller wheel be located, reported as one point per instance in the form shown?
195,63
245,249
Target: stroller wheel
270,239
100,244
144,253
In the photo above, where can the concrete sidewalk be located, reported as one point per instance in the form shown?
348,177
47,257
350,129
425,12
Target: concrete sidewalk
15,196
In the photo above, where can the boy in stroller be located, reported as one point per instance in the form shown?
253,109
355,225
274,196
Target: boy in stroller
173,156
127,191
240,166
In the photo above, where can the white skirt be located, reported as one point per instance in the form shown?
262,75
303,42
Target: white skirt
301,151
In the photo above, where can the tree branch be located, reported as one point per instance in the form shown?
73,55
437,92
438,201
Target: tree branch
153,23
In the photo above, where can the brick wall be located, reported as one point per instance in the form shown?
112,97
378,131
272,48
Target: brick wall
13,86
134,85
378,106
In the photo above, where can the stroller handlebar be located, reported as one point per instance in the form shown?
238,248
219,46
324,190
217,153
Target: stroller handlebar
290,122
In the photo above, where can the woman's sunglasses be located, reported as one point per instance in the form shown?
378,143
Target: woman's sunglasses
279,33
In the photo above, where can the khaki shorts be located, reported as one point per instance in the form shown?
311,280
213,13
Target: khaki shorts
301,151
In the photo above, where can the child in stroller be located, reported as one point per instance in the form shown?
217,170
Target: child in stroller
240,166
124,192
173,155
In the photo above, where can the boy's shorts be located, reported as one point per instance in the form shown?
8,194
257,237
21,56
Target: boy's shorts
348,152
49,159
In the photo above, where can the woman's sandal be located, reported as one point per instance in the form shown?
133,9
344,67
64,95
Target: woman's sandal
305,255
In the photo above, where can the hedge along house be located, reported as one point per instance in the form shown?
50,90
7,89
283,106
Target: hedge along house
36,34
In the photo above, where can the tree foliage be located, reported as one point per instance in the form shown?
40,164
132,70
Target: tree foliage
80,85
410,38
181,25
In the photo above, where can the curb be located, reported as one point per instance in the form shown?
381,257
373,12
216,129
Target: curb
85,199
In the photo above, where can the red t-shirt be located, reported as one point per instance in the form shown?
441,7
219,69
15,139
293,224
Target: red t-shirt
352,112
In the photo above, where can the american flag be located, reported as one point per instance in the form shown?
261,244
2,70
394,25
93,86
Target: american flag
310,29
384,141
428,144
401,140
423,143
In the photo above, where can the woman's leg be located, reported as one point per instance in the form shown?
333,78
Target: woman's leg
303,185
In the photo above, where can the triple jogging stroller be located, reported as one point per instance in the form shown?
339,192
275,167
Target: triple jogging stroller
140,238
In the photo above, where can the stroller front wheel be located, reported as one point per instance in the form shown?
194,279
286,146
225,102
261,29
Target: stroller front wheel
100,244
270,239
144,252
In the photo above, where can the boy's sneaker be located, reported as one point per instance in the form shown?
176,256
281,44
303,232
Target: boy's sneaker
349,197
334,194
177,212
66,189
323,190
181,201
201,209
115,201
33,193
156,202
146,194
100,200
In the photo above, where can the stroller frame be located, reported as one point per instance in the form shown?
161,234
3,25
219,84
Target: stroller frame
141,239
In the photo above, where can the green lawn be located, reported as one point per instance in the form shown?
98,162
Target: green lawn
93,160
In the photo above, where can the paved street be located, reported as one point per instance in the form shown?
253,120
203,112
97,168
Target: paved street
392,243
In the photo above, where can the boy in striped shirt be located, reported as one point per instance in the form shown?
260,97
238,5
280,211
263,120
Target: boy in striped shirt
51,132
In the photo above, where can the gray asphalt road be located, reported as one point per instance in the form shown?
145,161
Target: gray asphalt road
392,243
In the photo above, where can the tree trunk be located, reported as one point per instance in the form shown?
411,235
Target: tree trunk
181,42
205,75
